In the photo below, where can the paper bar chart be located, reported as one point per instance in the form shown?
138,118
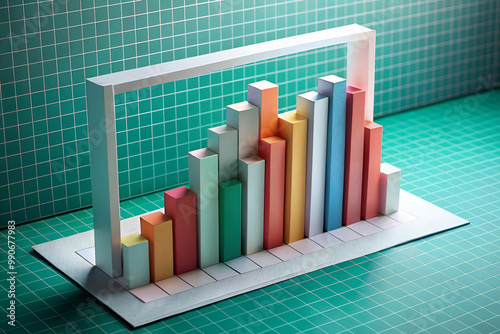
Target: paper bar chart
335,88
252,178
204,182
314,107
371,170
293,129
273,150
180,205
353,165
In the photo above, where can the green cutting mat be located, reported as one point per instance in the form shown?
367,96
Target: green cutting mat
447,283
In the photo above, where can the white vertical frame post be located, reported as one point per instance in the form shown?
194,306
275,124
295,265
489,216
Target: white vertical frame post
100,108
104,178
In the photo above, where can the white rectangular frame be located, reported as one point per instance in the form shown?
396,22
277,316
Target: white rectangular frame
101,111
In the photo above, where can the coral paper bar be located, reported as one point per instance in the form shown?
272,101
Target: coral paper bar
264,95
157,228
371,170
390,180
252,176
223,140
353,167
203,181
135,260
335,88
230,220
244,117
180,205
314,107
273,150
293,128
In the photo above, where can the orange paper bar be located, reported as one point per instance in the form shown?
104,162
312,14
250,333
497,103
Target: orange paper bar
293,128
371,170
264,95
353,168
272,149
157,228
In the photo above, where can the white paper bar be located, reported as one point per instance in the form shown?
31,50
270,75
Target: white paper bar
252,178
244,117
390,179
223,140
314,107
203,181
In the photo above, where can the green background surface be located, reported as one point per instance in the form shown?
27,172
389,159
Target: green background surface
427,51
447,283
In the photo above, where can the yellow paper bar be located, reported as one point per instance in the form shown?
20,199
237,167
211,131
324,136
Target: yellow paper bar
293,128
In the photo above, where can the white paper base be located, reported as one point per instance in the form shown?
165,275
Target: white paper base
208,285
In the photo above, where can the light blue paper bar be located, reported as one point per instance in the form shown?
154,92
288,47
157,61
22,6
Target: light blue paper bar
335,88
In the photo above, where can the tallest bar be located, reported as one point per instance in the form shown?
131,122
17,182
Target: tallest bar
264,95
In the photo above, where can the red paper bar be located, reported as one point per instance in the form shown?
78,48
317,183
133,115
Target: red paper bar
353,167
180,205
272,149
371,170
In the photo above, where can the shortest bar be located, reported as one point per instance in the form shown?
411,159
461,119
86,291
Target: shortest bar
135,260
230,220
390,180
371,170
157,228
